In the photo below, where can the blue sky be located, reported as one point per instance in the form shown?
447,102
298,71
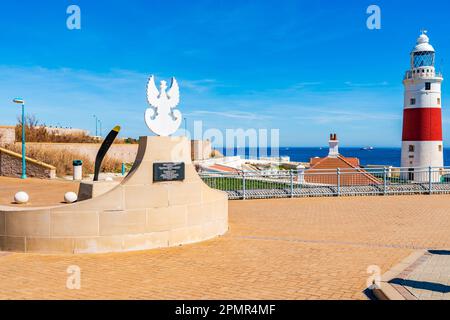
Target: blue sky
307,68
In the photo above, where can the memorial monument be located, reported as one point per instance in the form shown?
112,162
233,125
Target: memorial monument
162,202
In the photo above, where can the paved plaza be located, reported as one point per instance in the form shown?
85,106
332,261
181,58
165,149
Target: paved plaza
41,192
431,279
308,248
424,275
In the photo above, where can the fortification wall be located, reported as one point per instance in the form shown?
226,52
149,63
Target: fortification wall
122,152
200,150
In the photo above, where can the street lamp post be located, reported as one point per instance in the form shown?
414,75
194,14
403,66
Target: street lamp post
24,162
100,124
96,121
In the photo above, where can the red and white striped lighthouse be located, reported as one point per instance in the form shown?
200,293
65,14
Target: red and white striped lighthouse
422,121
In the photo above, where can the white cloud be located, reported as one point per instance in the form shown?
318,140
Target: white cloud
366,84
200,86
231,114
71,97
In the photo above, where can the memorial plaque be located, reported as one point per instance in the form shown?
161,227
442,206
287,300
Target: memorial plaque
168,171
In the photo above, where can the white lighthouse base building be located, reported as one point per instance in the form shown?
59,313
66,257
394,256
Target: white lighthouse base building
417,153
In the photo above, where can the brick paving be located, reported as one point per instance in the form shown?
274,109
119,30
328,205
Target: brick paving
311,248
428,278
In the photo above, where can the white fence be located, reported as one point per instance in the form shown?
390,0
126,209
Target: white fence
340,182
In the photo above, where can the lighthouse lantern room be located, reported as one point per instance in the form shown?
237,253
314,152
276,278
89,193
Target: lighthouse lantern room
422,120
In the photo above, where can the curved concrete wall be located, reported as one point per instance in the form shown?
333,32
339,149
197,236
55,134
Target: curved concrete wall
136,215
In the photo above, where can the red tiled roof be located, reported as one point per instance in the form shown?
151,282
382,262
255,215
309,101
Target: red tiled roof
221,168
334,163
318,174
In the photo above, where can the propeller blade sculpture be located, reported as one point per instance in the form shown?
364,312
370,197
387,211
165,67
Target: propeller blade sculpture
104,149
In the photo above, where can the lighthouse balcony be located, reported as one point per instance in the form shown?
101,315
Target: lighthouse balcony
422,73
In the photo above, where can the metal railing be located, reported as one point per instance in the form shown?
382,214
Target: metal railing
320,183
429,74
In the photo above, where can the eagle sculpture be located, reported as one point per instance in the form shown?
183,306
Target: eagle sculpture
162,118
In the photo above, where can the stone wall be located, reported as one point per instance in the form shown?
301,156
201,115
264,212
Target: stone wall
7,135
11,166
65,131
200,150
122,152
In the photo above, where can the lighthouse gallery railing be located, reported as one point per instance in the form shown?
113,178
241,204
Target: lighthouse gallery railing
321,183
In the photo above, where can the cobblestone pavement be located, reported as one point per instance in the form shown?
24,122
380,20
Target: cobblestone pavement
311,248
428,278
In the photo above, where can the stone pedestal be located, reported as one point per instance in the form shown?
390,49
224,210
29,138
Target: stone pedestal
93,189
137,214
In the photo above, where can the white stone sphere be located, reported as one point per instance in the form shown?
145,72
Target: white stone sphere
70,197
109,179
21,197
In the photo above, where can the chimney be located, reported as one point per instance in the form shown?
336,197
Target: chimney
334,146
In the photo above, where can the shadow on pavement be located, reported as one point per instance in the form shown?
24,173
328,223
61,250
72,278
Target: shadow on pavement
369,294
440,252
431,286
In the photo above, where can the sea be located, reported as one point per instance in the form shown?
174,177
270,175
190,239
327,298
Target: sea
377,156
